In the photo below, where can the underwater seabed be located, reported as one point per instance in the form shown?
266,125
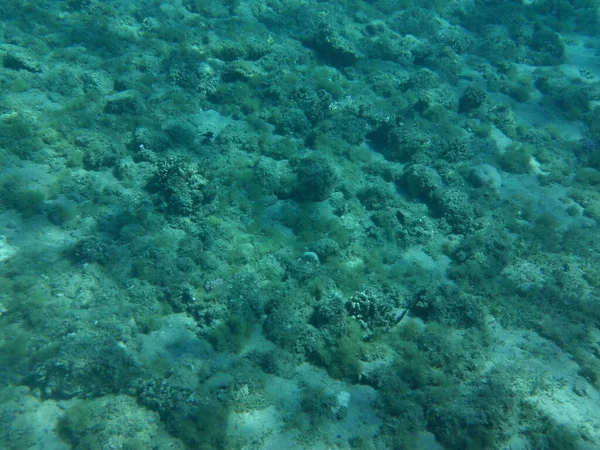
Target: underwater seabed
292,224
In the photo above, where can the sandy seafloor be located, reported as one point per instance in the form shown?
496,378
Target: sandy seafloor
298,224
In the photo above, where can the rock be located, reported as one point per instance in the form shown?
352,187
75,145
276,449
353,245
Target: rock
341,408
486,176
7,251
311,257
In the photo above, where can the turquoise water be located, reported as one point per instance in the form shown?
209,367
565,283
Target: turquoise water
298,224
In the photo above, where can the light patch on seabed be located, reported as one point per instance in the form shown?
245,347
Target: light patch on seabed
548,378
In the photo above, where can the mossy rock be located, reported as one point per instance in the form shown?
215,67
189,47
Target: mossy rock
517,159
316,178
